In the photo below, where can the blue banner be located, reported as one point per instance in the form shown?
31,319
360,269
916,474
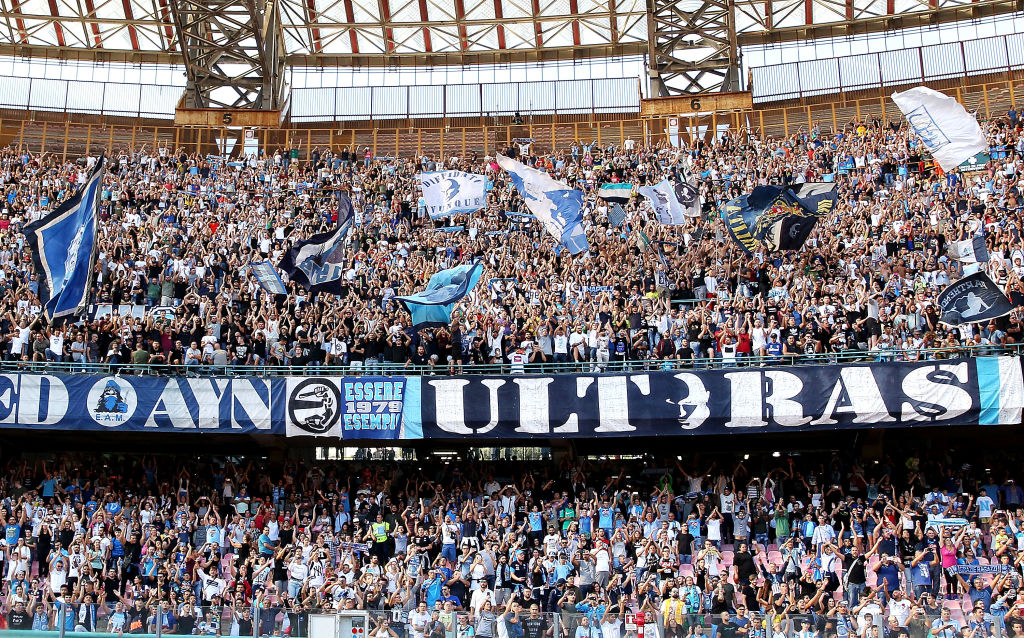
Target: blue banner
367,407
682,402
984,391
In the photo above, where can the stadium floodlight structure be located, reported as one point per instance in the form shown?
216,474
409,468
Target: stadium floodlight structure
232,53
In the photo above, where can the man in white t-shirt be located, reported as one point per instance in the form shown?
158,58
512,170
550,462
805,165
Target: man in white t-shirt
419,619
611,626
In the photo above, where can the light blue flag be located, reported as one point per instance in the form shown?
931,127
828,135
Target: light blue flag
433,306
63,248
268,277
452,192
558,207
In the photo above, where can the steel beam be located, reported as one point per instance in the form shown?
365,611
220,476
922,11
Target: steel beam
692,47
232,53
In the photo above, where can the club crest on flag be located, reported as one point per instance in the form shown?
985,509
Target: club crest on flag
926,128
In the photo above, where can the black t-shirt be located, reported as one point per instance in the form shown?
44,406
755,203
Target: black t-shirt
534,627
19,620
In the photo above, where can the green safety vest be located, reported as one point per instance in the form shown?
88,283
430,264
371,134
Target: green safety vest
380,532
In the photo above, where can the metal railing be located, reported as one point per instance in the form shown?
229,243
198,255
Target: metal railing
654,619
590,366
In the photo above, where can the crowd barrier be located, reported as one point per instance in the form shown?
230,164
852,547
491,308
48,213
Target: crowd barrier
102,621
608,399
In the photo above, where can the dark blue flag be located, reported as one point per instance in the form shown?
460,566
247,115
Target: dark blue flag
63,248
317,264
779,217
345,213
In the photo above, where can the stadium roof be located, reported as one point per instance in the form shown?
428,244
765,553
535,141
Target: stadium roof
345,32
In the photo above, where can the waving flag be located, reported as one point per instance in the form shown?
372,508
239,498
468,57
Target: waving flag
779,217
558,207
616,193
345,213
969,251
688,196
63,248
317,263
433,306
616,216
951,134
452,192
662,197
267,277
971,299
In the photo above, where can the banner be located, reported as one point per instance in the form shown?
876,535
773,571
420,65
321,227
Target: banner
63,249
243,405
971,299
950,133
267,276
452,193
433,306
979,569
348,407
984,391
938,523
779,217
976,162
558,207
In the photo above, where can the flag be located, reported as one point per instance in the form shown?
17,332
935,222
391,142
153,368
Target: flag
779,217
452,192
950,133
971,299
317,264
558,207
616,216
970,251
268,278
345,213
689,197
615,193
433,306
662,197
63,249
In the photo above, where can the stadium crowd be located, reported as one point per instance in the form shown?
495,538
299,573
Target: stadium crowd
178,231
788,547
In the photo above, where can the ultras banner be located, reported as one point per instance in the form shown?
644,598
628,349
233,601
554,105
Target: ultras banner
983,391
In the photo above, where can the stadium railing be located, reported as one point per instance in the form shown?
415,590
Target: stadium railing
585,367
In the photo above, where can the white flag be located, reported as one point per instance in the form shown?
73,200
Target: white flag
452,192
665,204
951,134
558,207
969,251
